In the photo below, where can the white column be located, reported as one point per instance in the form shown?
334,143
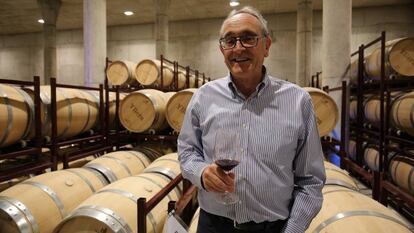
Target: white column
50,11
336,45
304,42
161,27
94,41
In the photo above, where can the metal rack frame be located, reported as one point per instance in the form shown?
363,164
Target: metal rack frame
182,207
384,190
34,148
88,145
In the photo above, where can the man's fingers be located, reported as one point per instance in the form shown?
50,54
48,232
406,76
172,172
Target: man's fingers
216,180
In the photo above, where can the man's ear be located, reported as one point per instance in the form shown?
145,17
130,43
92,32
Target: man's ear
268,42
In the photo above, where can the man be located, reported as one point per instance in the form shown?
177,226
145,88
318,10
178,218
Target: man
281,173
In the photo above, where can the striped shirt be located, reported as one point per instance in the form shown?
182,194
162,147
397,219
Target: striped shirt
281,171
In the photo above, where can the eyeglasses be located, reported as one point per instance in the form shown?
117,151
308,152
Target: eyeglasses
245,41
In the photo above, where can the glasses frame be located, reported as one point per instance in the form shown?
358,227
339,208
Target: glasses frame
238,39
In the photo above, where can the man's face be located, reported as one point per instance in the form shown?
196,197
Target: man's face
245,62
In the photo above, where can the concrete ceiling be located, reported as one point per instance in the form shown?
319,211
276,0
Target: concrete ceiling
20,16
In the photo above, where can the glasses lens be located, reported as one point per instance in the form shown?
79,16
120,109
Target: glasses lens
228,42
249,41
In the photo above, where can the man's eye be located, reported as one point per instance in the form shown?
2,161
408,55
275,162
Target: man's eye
230,40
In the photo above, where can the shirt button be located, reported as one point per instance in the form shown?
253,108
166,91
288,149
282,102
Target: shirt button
244,125
242,150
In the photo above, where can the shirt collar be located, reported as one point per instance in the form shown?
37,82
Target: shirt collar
259,88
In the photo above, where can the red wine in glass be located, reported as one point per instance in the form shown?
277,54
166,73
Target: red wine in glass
227,164
227,153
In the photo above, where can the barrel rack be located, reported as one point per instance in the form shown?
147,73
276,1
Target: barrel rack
183,207
36,163
384,189
120,136
89,143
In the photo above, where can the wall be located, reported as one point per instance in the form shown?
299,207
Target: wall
195,43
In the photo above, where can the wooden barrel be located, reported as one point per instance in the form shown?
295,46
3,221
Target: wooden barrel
399,58
154,150
402,113
372,107
353,72
121,72
143,110
167,165
353,110
337,177
16,114
194,222
371,157
326,110
77,111
119,164
148,73
114,208
401,169
345,210
352,149
40,203
12,182
176,107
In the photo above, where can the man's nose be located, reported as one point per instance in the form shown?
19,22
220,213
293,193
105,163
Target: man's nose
238,45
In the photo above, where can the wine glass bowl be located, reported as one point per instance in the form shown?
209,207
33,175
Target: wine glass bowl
227,157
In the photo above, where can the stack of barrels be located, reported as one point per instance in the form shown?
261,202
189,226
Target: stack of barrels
344,209
399,61
100,195
399,65
148,73
77,113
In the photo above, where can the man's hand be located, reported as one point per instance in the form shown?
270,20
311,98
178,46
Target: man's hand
216,180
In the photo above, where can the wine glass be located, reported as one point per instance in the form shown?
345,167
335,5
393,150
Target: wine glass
227,157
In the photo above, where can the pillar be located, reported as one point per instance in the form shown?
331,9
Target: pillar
304,42
161,27
94,41
50,11
336,46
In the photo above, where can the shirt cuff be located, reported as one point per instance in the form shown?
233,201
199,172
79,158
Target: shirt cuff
292,227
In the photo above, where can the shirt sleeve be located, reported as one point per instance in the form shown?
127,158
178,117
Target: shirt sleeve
190,148
309,175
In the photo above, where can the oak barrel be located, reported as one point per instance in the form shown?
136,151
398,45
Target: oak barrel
326,110
345,210
119,164
176,107
77,111
399,58
144,110
352,149
371,157
372,107
121,72
402,113
40,203
167,165
148,72
401,169
114,208
16,114
335,176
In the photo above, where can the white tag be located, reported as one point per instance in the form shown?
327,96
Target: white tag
174,224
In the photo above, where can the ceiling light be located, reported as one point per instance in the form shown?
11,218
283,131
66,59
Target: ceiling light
41,21
234,3
128,13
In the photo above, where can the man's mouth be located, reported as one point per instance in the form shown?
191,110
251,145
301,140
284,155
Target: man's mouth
241,59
